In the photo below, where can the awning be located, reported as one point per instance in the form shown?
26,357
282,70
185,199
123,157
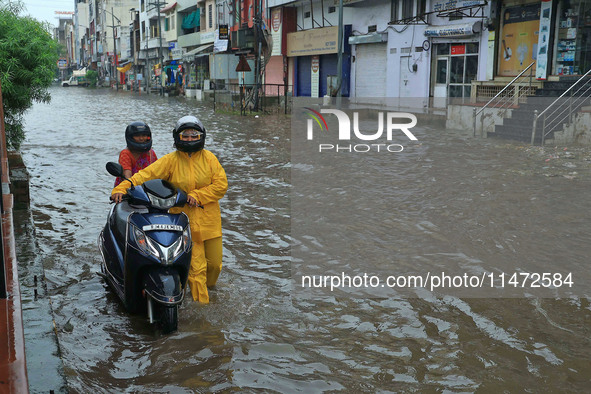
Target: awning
170,7
195,52
125,68
458,30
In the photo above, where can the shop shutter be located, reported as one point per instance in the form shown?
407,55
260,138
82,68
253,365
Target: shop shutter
328,66
304,76
370,70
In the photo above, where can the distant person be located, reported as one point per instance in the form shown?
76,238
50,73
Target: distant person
139,153
198,172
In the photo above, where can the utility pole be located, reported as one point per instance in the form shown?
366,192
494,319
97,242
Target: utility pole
158,4
113,17
115,48
257,58
340,54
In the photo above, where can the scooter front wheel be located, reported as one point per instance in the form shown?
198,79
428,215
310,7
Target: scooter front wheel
167,317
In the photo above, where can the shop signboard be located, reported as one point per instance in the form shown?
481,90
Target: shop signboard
451,4
458,49
313,42
457,30
221,39
223,32
207,37
177,53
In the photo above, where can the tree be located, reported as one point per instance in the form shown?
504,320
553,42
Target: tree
28,57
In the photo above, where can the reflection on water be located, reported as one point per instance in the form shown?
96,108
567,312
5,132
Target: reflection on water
256,334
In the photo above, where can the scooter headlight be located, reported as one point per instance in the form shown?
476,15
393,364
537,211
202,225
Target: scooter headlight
186,237
180,245
144,243
162,203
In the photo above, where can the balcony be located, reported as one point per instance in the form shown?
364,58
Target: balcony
186,6
189,40
154,43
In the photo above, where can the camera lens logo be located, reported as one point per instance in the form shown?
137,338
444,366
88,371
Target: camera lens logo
317,117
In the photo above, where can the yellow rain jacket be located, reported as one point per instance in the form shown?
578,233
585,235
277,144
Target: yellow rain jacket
200,176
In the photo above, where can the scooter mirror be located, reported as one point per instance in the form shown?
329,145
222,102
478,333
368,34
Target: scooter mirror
115,169
181,199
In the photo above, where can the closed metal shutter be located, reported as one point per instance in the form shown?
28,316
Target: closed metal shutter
304,83
370,70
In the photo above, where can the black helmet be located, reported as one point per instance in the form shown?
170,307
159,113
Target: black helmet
188,122
138,128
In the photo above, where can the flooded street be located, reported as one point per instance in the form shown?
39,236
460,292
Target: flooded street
256,333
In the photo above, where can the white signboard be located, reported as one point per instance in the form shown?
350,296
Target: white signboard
276,31
315,76
543,39
177,53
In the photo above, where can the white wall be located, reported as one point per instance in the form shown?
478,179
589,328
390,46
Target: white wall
399,37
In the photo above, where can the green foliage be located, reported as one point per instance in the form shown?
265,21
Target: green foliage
28,57
92,77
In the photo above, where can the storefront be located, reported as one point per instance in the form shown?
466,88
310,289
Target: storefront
316,60
370,64
456,58
556,34
572,46
456,65
283,21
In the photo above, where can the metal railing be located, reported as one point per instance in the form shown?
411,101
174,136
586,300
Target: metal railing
233,96
507,98
562,113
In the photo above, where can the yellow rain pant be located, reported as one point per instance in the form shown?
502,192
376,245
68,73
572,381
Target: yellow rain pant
206,264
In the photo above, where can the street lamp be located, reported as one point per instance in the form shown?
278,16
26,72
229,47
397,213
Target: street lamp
113,17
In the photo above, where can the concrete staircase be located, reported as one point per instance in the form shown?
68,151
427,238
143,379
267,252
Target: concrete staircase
519,126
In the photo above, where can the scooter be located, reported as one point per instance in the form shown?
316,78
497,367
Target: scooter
146,251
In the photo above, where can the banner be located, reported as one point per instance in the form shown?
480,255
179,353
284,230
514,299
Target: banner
543,39
276,31
315,79
519,40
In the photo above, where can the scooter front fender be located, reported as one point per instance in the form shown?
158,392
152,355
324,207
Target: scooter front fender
164,285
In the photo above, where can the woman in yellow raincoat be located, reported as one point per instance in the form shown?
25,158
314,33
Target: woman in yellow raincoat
199,173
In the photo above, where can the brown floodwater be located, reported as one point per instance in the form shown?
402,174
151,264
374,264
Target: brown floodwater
257,334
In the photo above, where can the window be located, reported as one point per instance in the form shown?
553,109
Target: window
154,28
455,16
167,24
307,14
394,11
332,10
144,32
172,18
407,9
143,5
421,7
210,16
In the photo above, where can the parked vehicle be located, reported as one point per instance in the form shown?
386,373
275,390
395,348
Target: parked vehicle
78,78
75,81
146,251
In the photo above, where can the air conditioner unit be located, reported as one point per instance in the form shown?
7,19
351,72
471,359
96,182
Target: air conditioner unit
243,39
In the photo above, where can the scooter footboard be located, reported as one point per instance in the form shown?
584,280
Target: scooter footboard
164,285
